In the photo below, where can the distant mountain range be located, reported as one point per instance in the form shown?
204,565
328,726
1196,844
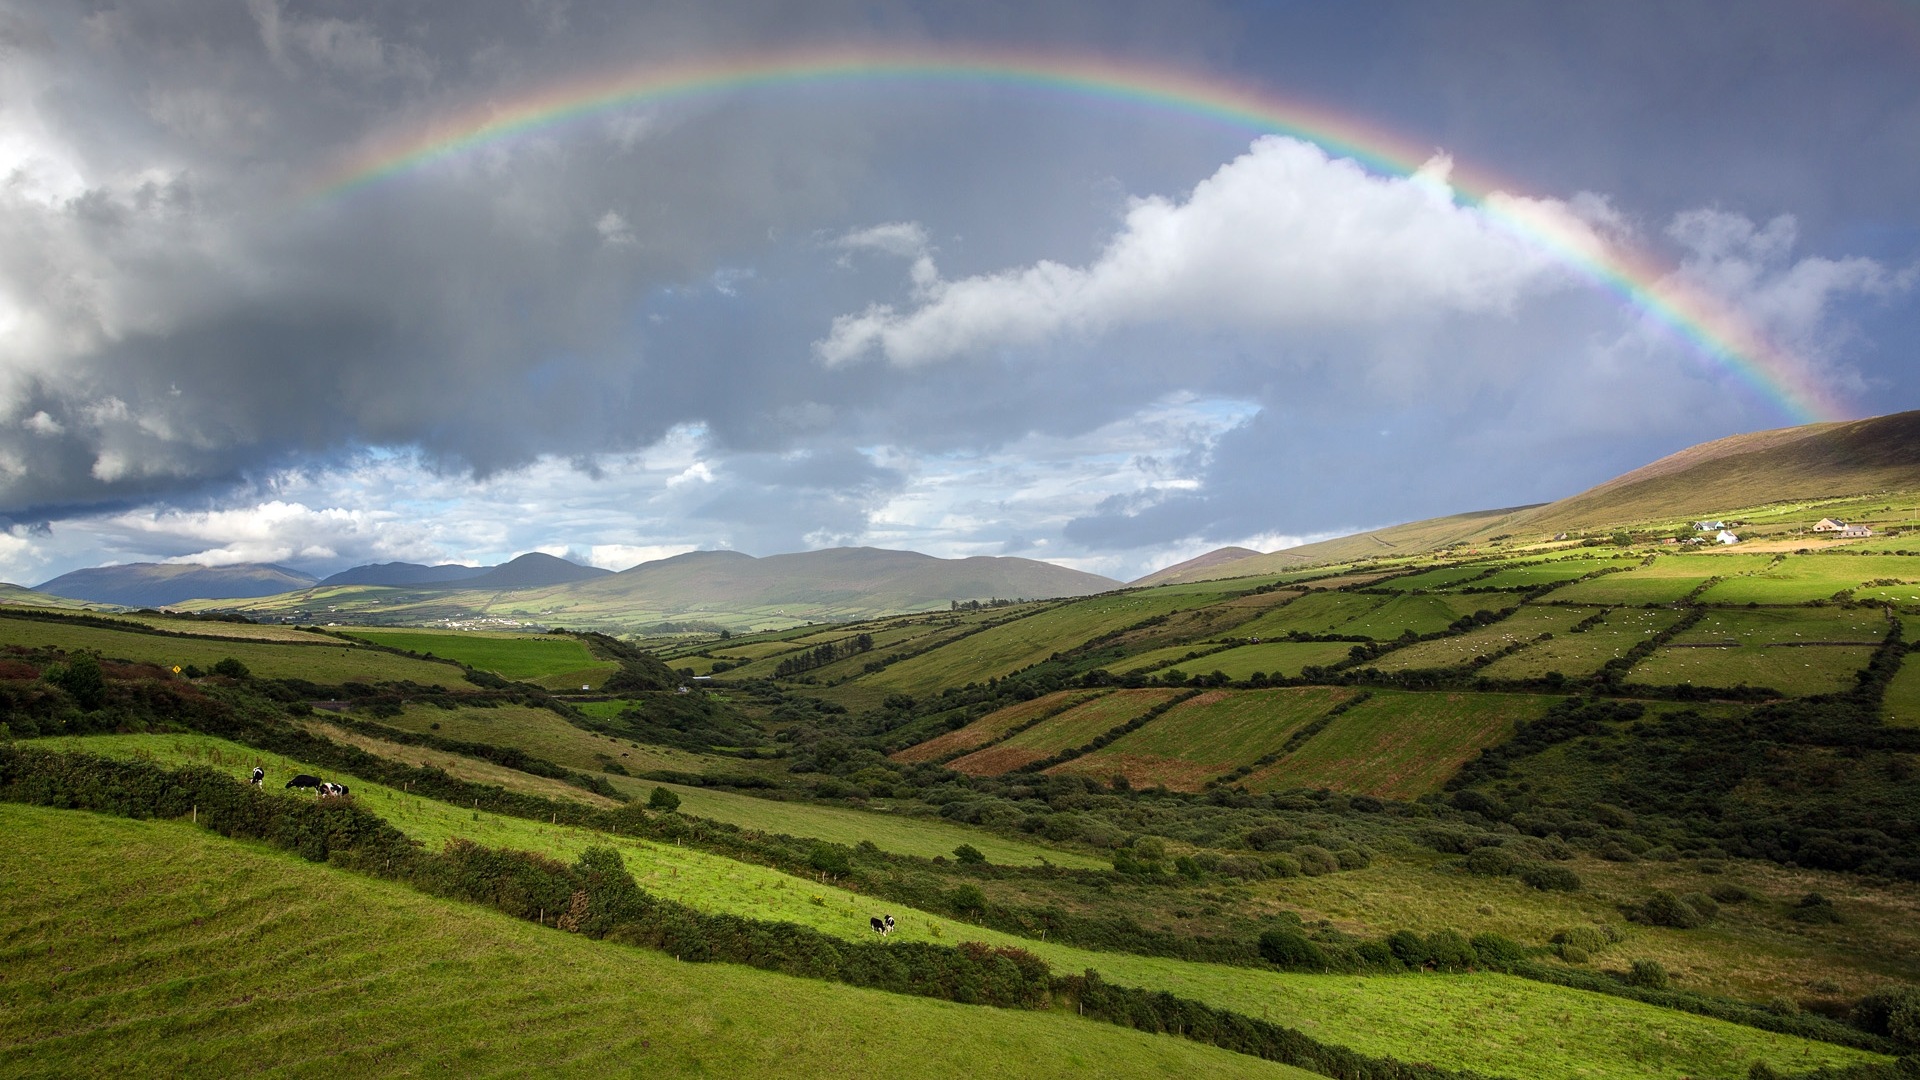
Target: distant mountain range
160,584
1813,461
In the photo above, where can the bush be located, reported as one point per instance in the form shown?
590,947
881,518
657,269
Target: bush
1894,1013
967,899
1665,909
1449,950
1816,909
1491,862
663,800
82,679
830,858
1549,878
1728,893
1647,974
1290,949
1315,860
231,668
968,855
1498,951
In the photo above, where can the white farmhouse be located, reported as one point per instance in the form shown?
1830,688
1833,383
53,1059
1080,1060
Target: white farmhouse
1725,537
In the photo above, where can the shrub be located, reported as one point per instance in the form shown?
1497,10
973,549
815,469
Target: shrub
231,668
1550,878
1353,859
967,899
82,679
1491,862
1572,954
663,800
1647,974
1498,951
1449,950
1894,1013
1290,949
1816,909
1665,909
1728,893
967,854
1315,860
830,858
1704,904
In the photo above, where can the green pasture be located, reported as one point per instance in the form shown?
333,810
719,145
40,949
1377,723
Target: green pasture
1534,574
1075,727
1273,657
992,726
1184,657
1588,651
1492,1023
533,657
1669,578
1207,736
1426,614
1801,578
542,734
929,632
1314,613
1786,626
1523,625
326,664
1439,578
154,948
1903,696
756,650
1023,642
1796,672
245,631
1400,745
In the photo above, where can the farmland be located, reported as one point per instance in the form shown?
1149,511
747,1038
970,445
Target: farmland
1273,657
1669,578
332,663
1584,653
544,658
1070,729
1522,626
1206,736
1903,697
1792,650
1796,579
218,938
993,726
1398,745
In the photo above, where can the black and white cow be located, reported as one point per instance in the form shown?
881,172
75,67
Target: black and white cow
259,774
304,781
333,789
882,926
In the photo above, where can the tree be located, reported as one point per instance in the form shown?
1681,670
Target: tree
968,854
663,800
82,679
231,668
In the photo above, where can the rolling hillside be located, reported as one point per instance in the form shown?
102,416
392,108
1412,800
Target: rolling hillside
163,584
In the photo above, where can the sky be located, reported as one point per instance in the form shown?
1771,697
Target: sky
957,313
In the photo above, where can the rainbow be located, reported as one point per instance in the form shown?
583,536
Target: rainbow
1710,327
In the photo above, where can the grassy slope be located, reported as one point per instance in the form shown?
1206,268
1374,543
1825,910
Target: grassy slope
1903,697
1800,578
1523,625
1399,745
1206,736
1489,1022
154,948
1075,727
993,725
319,663
513,656
544,735
1586,652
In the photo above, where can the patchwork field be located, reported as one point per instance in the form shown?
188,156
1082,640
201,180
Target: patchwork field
1586,652
1314,613
1793,650
544,735
1903,697
539,658
1075,727
1523,625
1440,578
1491,1023
154,948
327,664
1426,614
1800,578
1207,736
1532,575
1022,642
992,726
1670,578
1273,657
212,628
1399,745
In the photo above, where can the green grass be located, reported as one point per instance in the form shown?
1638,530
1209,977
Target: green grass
542,734
1436,579
1273,657
157,949
1528,575
1314,613
1075,727
1399,745
1022,642
1766,647
1493,1023
531,657
1586,652
1670,578
1206,736
1903,696
992,726
1523,625
326,664
1800,578
1428,614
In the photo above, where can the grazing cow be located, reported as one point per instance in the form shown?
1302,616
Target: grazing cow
883,927
333,789
304,781
259,774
